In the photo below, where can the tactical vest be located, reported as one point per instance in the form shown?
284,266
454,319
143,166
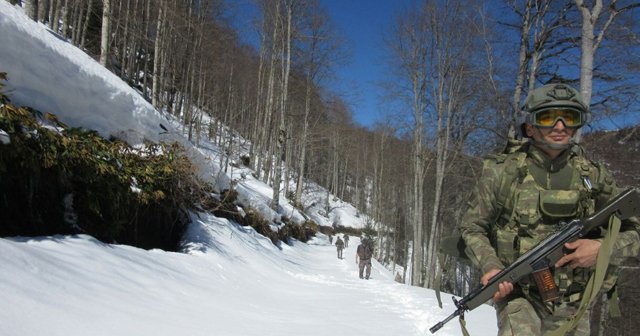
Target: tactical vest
533,201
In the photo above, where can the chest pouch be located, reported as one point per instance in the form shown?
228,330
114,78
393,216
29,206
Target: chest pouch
524,216
559,204
526,211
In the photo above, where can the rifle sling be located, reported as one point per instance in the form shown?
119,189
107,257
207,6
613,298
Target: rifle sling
463,325
597,277
438,281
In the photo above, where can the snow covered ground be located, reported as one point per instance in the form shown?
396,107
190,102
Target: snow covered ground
233,282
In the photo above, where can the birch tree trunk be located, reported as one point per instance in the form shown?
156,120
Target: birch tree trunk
303,143
268,114
312,67
409,49
415,59
522,66
106,32
145,62
591,40
260,112
407,44
124,46
418,196
157,52
448,45
85,25
544,28
588,46
77,17
53,14
65,19
284,94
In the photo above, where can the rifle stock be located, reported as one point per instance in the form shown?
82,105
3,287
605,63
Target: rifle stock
544,255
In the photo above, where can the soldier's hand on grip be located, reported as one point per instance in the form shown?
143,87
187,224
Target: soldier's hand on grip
584,253
504,288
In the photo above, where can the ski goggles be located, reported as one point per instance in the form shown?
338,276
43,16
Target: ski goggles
549,117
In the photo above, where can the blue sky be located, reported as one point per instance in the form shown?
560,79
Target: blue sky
362,23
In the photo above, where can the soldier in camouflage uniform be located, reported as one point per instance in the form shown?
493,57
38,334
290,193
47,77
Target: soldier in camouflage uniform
364,253
339,246
520,199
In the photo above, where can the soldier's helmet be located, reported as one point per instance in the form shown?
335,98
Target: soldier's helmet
545,105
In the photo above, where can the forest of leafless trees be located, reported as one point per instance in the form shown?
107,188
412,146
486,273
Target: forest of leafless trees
458,73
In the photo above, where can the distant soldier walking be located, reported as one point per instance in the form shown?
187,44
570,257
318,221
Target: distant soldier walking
363,258
339,246
346,240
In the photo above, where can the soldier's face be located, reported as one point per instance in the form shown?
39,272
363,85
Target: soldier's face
558,134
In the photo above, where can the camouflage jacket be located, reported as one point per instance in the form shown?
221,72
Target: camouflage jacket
522,196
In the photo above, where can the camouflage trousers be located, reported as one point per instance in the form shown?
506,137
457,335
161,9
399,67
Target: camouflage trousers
365,263
520,317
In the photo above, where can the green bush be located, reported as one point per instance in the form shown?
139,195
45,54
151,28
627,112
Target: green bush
61,180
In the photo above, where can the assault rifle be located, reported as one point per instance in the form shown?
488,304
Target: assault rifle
540,259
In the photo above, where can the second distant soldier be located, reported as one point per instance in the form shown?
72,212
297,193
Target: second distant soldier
363,258
339,247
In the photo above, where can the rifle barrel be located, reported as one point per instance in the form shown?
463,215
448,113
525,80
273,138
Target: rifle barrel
440,324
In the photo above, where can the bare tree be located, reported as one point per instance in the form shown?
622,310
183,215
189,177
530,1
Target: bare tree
408,45
285,68
539,26
318,51
448,90
592,39
106,32
522,61
158,61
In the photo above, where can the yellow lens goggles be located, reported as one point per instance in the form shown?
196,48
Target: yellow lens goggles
548,118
